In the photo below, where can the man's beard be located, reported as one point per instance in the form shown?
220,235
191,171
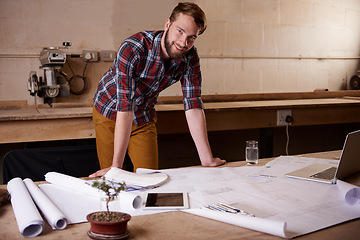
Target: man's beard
168,45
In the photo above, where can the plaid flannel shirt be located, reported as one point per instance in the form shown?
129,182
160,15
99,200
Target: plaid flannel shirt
138,75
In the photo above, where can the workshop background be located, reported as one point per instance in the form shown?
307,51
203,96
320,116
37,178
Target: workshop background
249,47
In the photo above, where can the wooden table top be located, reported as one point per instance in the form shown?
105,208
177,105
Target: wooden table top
180,225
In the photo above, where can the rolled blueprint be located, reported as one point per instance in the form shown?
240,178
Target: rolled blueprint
71,183
127,200
272,227
27,216
53,215
350,192
130,200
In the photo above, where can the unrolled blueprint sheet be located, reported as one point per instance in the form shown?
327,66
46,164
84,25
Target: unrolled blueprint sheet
283,207
265,192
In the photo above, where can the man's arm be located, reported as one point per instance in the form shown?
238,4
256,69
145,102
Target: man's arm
122,135
197,126
121,141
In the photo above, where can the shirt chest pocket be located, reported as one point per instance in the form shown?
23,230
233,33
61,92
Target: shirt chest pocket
173,78
146,87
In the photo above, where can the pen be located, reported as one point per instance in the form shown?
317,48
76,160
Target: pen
265,175
136,188
219,209
242,212
227,207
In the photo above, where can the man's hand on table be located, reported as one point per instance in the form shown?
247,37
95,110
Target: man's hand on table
214,162
100,173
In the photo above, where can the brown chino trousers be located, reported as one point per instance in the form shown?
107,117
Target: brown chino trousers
142,148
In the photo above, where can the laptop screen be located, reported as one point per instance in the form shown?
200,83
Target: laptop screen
350,157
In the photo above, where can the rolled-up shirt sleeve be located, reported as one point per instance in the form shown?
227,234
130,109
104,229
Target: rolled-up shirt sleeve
126,86
191,84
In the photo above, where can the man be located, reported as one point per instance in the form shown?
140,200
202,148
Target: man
147,63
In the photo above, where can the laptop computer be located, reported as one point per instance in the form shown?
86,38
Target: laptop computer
349,164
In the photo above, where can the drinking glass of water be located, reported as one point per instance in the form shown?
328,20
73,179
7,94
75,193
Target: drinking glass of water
252,152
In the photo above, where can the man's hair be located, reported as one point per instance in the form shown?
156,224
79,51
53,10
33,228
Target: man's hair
192,10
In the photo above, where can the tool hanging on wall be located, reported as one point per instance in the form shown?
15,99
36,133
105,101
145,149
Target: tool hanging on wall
355,82
53,84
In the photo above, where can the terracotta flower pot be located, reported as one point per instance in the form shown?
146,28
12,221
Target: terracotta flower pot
102,224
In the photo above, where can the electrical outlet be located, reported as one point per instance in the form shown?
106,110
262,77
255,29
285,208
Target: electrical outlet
107,55
90,56
281,117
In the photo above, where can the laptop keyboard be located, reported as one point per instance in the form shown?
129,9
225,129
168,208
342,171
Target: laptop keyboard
327,174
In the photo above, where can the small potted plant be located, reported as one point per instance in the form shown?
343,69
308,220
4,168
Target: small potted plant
104,224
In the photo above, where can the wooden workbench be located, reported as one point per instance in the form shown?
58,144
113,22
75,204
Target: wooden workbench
180,225
28,124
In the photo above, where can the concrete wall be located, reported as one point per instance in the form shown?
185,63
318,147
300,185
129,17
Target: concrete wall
250,46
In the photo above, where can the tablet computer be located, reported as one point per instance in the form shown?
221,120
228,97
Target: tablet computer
166,200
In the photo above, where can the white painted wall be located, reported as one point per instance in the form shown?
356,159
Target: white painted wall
250,46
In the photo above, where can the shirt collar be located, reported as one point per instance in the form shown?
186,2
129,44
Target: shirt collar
156,53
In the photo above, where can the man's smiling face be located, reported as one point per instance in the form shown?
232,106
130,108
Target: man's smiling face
179,36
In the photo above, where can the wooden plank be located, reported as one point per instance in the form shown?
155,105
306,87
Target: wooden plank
5,105
325,115
33,114
265,96
278,104
21,104
46,130
268,104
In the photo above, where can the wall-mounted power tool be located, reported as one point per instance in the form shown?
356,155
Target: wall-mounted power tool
355,81
53,84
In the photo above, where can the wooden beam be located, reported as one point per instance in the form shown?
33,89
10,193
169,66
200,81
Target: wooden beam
265,96
46,130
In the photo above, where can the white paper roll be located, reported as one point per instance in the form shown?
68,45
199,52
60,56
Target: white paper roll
27,216
127,200
350,192
130,200
53,215
71,183
272,227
